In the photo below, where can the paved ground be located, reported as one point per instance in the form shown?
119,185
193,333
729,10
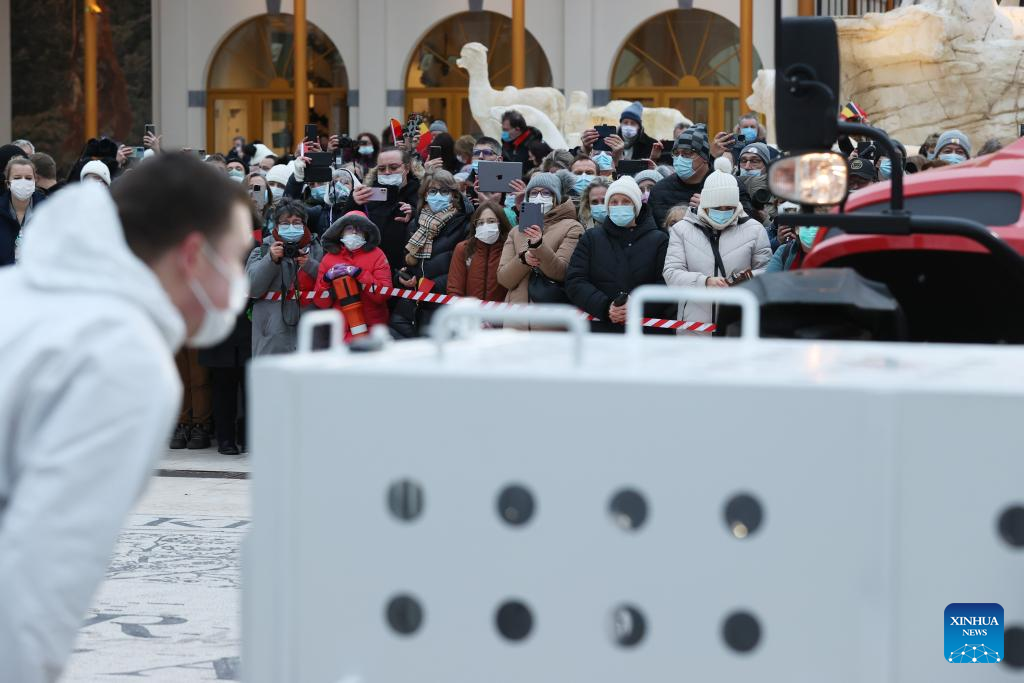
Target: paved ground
169,609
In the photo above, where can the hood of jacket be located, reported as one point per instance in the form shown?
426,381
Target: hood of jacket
560,212
369,230
75,243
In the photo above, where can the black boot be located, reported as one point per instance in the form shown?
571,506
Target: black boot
198,439
227,448
180,438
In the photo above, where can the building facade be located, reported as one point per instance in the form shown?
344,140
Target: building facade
223,68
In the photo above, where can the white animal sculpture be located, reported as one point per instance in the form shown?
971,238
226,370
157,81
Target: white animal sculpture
763,99
534,117
482,97
659,122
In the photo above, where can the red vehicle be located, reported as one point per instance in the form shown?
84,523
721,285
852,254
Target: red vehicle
951,287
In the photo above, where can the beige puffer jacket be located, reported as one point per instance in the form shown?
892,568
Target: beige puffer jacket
690,260
561,233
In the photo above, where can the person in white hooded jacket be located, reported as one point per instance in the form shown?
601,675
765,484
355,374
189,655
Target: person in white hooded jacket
108,287
715,242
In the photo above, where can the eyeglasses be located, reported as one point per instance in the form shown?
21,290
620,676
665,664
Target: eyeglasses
390,168
484,152
435,192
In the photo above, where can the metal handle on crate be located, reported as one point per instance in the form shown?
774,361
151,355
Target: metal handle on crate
750,324
309,321
536,314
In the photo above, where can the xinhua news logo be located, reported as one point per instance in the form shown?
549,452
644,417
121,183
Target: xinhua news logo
974,633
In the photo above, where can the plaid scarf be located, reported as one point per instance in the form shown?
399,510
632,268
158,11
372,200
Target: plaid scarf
421,244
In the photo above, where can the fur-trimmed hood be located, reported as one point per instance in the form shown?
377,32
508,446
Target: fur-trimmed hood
331,239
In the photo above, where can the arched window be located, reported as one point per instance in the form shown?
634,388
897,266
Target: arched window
688,59
250,85
434,86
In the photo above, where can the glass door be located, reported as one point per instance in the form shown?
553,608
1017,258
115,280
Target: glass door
275,129
231,117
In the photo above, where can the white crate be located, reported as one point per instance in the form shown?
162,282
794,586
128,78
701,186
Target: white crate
881,470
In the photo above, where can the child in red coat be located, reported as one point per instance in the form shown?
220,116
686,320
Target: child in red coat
353,240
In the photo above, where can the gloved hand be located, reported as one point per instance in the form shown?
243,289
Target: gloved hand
341,270
299,169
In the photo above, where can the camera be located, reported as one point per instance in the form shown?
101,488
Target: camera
292,250
345,142
757,189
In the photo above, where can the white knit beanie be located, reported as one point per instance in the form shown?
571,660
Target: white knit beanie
720,188
627,187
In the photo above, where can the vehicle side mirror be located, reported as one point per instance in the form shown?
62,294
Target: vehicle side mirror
806,84
815,179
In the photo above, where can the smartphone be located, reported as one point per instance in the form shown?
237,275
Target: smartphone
531,214
435,151
139,152
630,167
151,129
603,132
378,194
311,135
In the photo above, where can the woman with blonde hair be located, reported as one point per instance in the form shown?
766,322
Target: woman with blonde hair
592,210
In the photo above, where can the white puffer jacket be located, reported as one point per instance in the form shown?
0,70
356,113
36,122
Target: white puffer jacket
690,260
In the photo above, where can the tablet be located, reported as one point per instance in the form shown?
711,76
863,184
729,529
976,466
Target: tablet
497,176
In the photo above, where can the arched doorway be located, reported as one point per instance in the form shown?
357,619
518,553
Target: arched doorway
250,85
434,86
687,59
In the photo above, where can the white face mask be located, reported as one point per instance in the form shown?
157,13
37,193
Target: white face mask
487,232
394,179
353,242
629,132
218,322
22,188
276,192
545,202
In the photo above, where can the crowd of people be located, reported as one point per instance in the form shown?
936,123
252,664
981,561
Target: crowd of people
387,213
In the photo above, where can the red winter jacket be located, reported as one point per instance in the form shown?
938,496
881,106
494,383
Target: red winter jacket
376,271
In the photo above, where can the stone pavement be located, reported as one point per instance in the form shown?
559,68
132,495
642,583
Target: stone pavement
169,609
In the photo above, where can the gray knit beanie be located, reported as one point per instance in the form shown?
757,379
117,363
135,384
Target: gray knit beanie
548,181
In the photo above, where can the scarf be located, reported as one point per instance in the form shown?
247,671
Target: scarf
421,244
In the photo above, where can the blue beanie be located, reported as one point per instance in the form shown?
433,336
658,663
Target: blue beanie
634,112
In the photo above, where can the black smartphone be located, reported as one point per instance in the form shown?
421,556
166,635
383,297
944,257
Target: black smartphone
630,167
603,132
151,129
531,214
311,135
435,151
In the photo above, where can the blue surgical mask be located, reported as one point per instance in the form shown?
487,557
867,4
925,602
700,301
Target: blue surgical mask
341,192
506,136
583,182
476,164
749,134
885,168
289,232
953,158
276,192
236,175
318,193
749,171
622,215
366,150
439,202
807,235
721,216
683,166
603,161
510,201
598,212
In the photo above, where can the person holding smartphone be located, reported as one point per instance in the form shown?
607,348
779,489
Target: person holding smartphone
622,252
535,256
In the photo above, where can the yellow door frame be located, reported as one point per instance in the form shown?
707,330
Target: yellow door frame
661,95
255,103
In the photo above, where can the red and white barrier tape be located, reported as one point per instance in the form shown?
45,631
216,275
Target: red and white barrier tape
432,298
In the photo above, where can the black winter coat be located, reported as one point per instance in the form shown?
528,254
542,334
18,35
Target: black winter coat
394,235
9,226
609,260
409,318
642,146
233,352
672,191
510,152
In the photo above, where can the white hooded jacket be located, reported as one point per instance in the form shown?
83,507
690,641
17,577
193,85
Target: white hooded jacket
88,397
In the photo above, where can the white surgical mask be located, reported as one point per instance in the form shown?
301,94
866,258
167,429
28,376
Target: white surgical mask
22,188
218,322
277,192
394,179
487,232
629,132
545,202
353,242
